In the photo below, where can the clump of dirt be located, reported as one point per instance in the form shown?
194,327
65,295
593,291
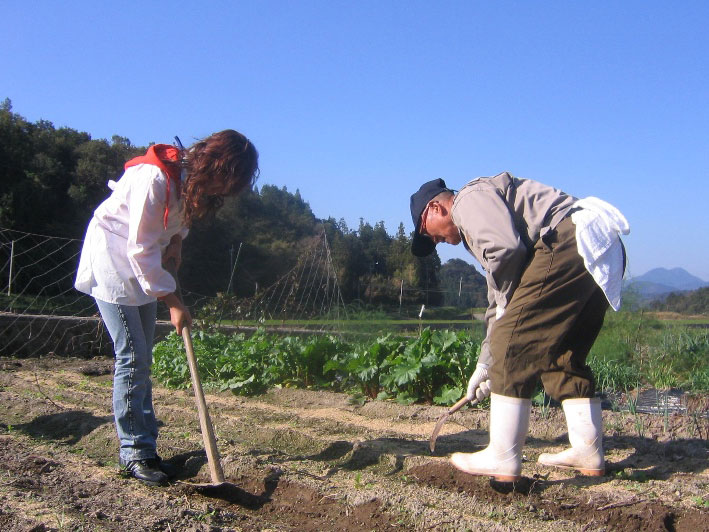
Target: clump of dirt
310,460
634,513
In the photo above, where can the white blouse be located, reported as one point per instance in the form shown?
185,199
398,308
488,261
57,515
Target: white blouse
121,260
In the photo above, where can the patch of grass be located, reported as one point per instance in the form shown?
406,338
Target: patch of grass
635,349
61,519
543,402
32,394
700,502
359,485
494,514
632,475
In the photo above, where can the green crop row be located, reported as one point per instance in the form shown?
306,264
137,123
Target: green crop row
434,367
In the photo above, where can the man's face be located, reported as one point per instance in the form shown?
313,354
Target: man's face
436,223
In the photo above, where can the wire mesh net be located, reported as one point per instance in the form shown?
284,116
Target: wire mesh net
308,291
41,312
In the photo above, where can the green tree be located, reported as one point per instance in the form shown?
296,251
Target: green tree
693,302
53,179
462,285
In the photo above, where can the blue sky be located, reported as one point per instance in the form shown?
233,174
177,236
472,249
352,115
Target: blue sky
357,103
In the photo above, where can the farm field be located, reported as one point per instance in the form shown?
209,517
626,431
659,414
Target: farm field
312,460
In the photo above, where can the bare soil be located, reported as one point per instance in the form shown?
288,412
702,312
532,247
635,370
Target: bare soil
311,460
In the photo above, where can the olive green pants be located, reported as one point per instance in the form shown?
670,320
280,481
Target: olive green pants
550,324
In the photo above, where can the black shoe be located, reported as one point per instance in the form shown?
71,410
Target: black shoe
147,471
169,469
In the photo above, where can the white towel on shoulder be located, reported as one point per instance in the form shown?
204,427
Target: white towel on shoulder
598,228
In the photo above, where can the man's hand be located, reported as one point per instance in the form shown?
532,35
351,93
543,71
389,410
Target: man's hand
479,384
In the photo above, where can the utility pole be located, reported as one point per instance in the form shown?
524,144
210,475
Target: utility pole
460,288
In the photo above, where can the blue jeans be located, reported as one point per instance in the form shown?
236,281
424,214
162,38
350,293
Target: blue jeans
132,329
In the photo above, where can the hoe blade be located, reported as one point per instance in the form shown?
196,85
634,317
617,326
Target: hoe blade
444,417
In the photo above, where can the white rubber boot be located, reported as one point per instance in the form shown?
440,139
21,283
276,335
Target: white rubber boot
502,458
583,419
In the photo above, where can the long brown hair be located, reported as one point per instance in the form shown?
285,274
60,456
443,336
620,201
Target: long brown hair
227,158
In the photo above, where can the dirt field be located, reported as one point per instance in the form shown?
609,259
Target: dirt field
305,460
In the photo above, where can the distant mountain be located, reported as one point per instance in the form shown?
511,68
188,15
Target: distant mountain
659,282
675,278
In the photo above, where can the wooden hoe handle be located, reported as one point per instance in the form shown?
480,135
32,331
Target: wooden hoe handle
205,423
210,442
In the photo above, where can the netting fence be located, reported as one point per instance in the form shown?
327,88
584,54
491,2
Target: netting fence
42,313
308,291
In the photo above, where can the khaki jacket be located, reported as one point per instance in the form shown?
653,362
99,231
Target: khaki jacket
500,218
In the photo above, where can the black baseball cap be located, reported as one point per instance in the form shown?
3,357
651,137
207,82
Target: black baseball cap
421,245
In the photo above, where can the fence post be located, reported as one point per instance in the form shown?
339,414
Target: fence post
401,295
12,262
233,269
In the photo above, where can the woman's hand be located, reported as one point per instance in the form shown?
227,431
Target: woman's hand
173,251
180,316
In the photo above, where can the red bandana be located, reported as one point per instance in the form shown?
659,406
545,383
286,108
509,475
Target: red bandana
167,158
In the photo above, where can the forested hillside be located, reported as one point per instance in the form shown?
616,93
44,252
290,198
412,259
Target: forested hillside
694,302
53,178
